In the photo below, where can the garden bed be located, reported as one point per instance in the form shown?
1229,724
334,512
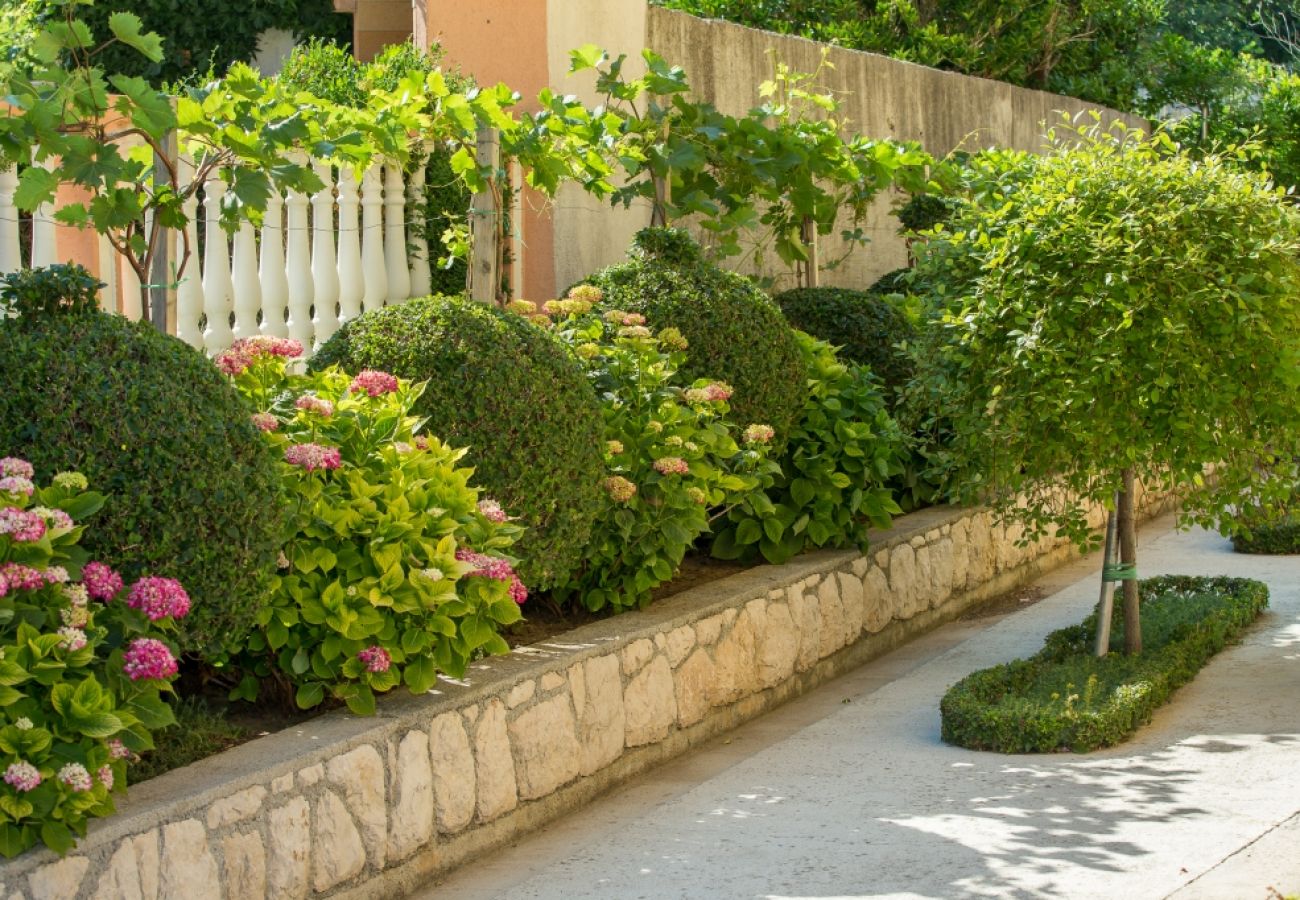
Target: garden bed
1065,698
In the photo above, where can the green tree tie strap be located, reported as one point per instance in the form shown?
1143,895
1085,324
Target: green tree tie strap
1119,572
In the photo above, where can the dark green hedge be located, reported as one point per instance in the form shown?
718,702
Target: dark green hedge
1064,698
1273,538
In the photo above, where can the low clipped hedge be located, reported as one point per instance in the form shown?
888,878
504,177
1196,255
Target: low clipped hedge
1064,698
1274,538
512,395
865,327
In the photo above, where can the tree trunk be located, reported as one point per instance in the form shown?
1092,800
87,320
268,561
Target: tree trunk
1128,558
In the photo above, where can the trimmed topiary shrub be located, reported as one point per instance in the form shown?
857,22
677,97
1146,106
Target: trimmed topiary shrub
1281,537
866,329
511,394
1064,698
192,488
733,330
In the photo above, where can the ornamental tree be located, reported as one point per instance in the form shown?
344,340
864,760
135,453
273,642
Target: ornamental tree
1123,310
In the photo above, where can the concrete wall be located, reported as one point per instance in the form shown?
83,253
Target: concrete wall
346,807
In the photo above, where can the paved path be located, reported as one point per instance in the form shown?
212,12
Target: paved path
848,792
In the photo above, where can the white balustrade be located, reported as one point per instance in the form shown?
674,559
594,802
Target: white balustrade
373,265
132,305
324,262
352,284
217,336
189,290
297,268
10,251
245,284
44,249
271,270
421,279
399,275
108,262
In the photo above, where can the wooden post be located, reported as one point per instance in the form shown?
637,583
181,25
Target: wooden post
484,273
1128,557
1106,603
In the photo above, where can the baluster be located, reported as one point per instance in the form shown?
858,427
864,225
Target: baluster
108,274
11,259
275,283
247,289
421,280
44,248
373,265
352,286
297,268
217,336
324,263
399,276
189,292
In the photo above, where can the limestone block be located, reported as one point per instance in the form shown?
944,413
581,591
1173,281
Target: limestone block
282,784
121,878
188,871
494,766
636,655
925,579
917,542
882,560
148,861
941,575
806,612
860,567
960,554
877,601
756,610
60,880
545,746
851,599
552,680
578,686
649,703
708,630
694,681
778,646
734,659
454,791
521,693
339,852
602,723
310,775
902,581
290,834
412,820
832,615
360,773
236,807
244,866
680,643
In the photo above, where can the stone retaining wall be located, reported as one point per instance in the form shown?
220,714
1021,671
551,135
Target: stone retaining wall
349,807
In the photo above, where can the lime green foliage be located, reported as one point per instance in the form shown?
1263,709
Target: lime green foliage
371,558
193,489
672,461
734,332
1124,306
864,328
1064,698
831,487
64,696
511,395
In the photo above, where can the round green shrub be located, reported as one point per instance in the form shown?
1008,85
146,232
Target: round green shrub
193,492
893,282
511,394
733,330
1278,537
866,328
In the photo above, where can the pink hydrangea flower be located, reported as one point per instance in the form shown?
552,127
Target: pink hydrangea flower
55,575
159,598
634,331
23,776
313,456
264,421
54,518
634,319
105,776
619,489
17,484
718,390
148,658
23,578
759,434
4,585
101,582
375,658
232,363
72,639
495,568
374,383
75,776
672,465
21,525
492,510
267,345
313,404
118,750
12,466
697,496
75,616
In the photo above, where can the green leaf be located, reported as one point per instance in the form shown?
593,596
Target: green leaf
748,532
310,695
127,28
97,725
36,185
58,837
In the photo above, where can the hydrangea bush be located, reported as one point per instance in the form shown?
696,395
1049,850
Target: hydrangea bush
673,463
393,569
83,663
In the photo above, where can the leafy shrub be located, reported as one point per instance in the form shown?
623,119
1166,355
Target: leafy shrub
671,462
1277,534
1066,698
924,211
509,393
150,421
384,578
735,332
831,486
55,289
866,329
82,666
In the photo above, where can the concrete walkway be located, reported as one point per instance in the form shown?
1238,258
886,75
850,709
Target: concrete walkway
848,792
